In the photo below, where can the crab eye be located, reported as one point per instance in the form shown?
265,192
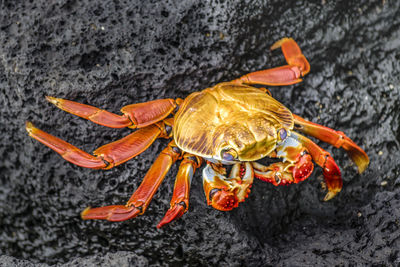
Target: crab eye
228,154
282,134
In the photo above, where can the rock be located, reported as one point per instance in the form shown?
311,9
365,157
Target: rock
113,53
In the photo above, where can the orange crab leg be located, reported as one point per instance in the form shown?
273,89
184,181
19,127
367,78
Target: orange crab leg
66,150
105,157
141,198
180,198
297,67
336,138
135,115
331,171
143,114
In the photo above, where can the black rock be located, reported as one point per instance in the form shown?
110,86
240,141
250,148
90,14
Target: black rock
113,53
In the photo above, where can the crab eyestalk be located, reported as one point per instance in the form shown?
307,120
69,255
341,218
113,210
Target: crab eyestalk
224,193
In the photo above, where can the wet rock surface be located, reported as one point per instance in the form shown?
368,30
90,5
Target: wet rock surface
113,53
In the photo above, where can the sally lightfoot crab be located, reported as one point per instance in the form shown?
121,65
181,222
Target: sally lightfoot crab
231,123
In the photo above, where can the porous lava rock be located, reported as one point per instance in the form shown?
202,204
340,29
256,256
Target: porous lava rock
113,53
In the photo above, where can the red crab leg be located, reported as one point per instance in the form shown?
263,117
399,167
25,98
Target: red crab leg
297,67
335,138
135,115
105,157
180,198
331,171
141,198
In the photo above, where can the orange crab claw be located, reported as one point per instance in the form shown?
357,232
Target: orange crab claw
303,168
274,173
115,213
224,193
223,200
297,165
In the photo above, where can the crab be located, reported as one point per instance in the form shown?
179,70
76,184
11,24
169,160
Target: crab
231,123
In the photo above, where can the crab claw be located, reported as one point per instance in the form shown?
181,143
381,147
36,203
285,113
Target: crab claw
333,178
303,168
114,213
224,193
172,214
222,199
277,173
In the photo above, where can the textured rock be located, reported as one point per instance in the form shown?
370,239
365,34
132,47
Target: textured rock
112,53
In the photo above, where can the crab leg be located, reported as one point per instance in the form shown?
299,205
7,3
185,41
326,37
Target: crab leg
335,138
297,67
224,193
180,198
135,115
331,171
141,198
107,156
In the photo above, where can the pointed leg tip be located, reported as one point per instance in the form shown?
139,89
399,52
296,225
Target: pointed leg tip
84,213
330,195
279,43
160,224
52,100
358,156
363,163
28,125
362,167
172,214
30,128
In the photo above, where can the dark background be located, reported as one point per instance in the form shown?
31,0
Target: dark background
113,53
